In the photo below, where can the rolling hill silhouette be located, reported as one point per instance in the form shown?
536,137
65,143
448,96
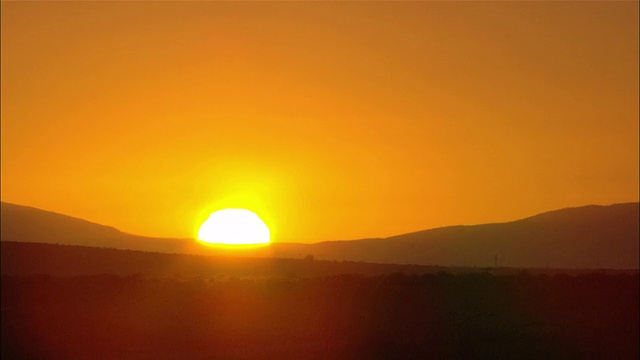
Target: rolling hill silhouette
581,238
28,224
584,237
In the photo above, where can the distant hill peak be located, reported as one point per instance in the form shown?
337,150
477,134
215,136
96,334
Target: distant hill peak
38,217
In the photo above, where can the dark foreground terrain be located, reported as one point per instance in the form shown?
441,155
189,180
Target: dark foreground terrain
396,316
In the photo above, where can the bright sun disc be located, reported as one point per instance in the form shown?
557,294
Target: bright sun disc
234,227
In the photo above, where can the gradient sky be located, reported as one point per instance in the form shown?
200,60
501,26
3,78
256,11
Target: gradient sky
330,120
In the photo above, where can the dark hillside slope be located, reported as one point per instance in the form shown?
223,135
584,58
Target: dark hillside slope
28,224
585,237
21,223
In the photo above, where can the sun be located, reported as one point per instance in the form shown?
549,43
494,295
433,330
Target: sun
234,227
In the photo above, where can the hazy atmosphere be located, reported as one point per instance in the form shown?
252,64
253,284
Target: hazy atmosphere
329,120
320,180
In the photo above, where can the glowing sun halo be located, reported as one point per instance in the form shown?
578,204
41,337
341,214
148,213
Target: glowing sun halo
234,227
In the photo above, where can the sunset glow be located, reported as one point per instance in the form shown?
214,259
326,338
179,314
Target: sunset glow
234,227
345,120
319,179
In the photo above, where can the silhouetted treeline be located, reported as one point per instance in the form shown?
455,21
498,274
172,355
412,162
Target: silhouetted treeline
432,316
72,260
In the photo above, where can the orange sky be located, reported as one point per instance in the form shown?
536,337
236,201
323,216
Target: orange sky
330,120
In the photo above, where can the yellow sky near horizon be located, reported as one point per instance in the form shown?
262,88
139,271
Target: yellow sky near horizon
330,120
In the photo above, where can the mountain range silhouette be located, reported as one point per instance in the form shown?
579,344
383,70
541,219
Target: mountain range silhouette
589,237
